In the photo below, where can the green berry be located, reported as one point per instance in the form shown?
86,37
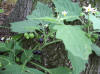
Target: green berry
27,37
89,35
26,34
31,35
17,59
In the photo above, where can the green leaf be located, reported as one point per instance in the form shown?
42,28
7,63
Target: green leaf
4,60
95,20
17,37
77,44
74,39
1,10
41,10
31,25
25,26
17,46
9,44
60,70
17,69
73,9
96,49
3,47
78,63
26,55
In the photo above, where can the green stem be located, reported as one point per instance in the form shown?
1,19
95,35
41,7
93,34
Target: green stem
46,70
83,22
45,36
29,57
50,43
26,62
88,23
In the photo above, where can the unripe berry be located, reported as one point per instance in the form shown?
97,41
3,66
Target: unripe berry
26,34
31,35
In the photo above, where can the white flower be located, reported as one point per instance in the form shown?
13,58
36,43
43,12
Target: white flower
2,38
88,9
46,25
94,10
64,13
8,39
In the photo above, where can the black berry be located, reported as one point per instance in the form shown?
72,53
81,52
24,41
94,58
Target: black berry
41,40
37,52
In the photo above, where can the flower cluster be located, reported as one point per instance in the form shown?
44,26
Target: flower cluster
5,39
90,9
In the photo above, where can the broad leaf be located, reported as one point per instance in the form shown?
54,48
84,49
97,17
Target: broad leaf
41,10
78,63
77,44
17,69
96,21
17,46
3,47
4,60
60,70
73,9
30,25
25,26
96,49
74,39
25,55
